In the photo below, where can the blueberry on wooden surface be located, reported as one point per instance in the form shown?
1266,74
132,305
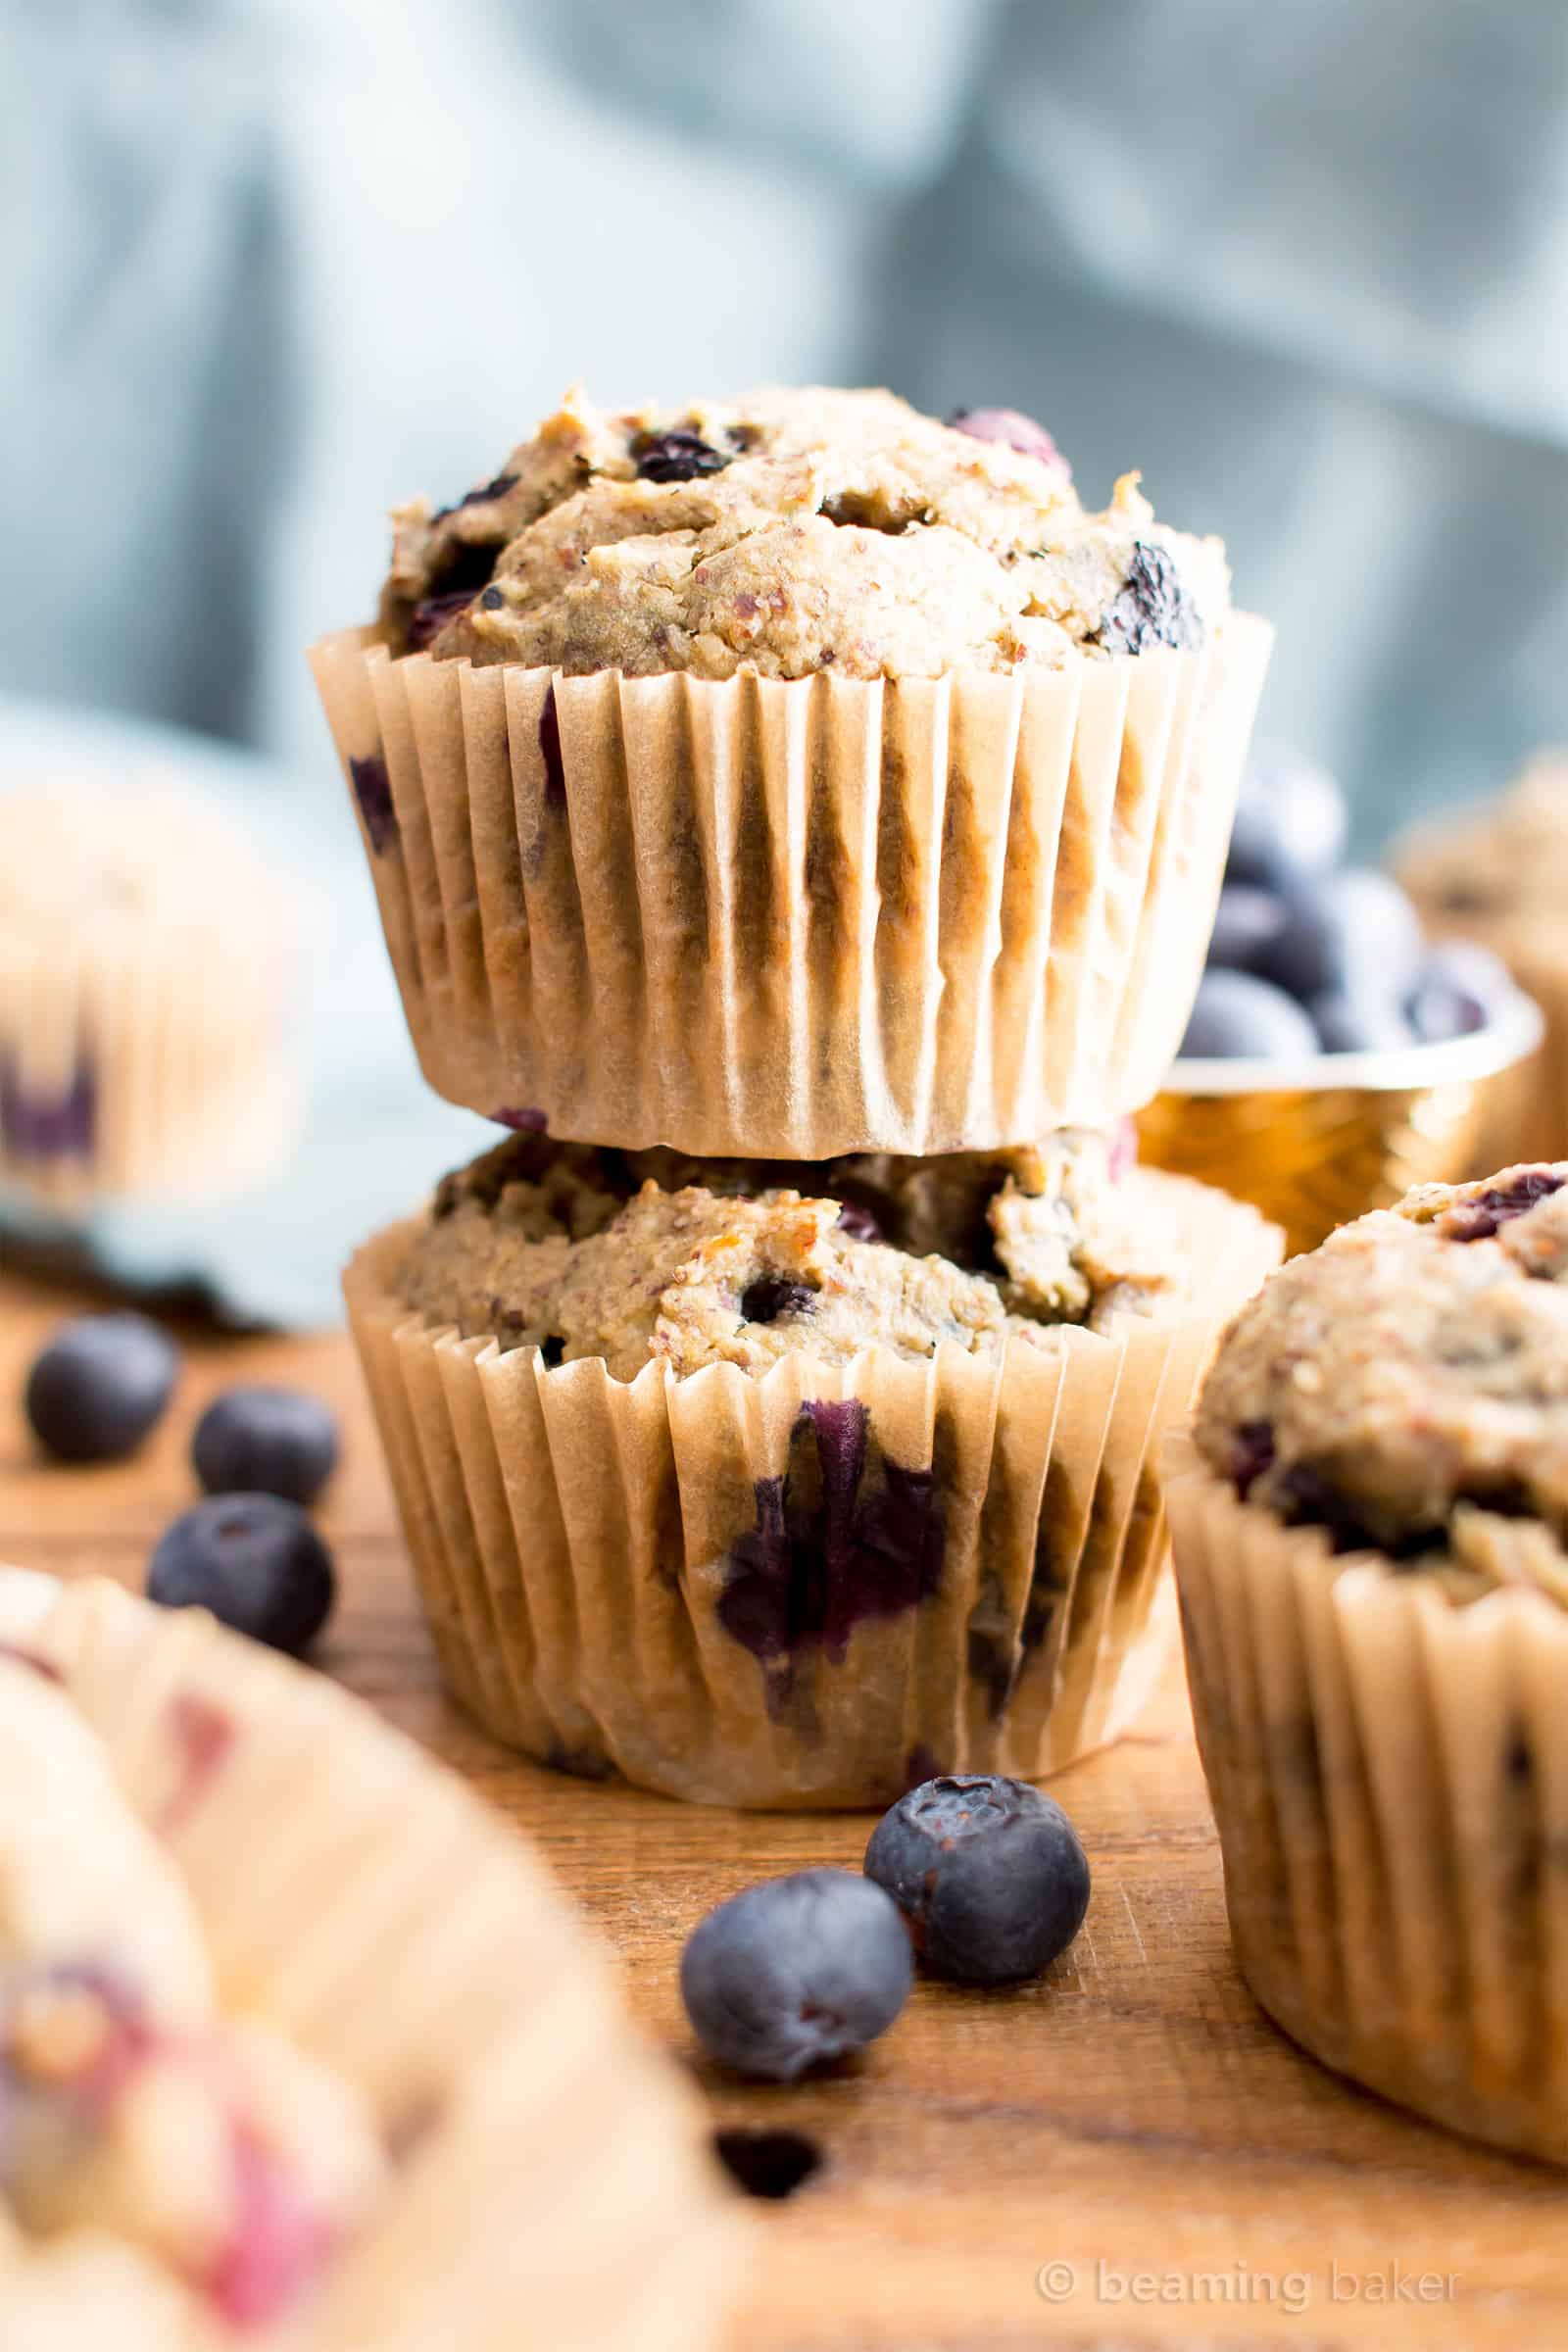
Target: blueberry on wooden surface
266,1441
987,1872
100,1385
255,1561
795,1972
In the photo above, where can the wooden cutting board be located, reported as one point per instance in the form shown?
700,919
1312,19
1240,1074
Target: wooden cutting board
1125,2154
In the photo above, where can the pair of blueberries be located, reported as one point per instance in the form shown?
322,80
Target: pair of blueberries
983,1876
1308,955
100,1386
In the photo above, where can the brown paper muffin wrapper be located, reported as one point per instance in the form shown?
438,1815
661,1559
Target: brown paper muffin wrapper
815,1588
554,2189
129,1070
1390,1776
802,919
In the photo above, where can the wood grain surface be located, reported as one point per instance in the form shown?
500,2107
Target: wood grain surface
1125,2154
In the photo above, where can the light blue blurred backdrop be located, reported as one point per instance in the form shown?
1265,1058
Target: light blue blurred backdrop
269,265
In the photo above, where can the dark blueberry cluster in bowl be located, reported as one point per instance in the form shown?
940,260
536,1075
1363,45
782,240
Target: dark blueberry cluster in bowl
1310,956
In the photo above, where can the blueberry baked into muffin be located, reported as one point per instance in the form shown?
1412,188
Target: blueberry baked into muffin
144,985
1371,1538
223,2121
800,715
769,1484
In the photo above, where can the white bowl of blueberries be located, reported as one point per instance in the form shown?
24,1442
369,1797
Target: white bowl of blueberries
1313,957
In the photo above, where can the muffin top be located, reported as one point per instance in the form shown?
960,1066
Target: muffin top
1405,1386
78,853
648,1258
791,532
1509,859
183,2169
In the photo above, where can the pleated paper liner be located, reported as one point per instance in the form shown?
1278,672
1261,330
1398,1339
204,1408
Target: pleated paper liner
808,1588
555,2189
1390,1776
797,918
129,1070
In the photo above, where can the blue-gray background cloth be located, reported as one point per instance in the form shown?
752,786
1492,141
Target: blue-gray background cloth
269,266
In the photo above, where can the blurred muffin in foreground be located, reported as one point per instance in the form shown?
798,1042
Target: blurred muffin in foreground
144,972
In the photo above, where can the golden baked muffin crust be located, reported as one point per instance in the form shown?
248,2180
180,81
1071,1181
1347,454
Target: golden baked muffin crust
1406,1385
791,532
649,1256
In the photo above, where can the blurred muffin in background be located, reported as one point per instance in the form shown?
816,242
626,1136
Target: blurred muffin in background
1498,875
144,971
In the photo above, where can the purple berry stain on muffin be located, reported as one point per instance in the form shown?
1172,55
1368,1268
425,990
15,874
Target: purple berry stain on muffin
772,1299
1152,606
522,1119
43,1123
549,751
431,615
481,497
203,1735
373,789
675,457
1013,430
839,1538
1479,1219
280,2243
1253,1454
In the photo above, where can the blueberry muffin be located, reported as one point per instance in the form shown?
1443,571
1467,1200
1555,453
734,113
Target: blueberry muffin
1499,875
766,1483
807,716
791,532
220,2118
1371,1538
145,982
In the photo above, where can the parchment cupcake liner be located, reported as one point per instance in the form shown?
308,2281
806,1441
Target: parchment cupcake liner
797,918
553,2187
130,1068
809,1588
1390,1776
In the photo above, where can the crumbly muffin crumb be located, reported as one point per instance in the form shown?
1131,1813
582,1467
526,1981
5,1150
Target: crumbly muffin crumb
791,532
652,1258
1406,1386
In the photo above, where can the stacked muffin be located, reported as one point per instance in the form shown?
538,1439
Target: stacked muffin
800,823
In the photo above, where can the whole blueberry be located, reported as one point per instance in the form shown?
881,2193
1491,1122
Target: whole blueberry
1459,989
1290,824
1369,1022
987,1872
1236,1015
795,1971
255,1561
1353,932
1247,924
262,1440
100,1385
